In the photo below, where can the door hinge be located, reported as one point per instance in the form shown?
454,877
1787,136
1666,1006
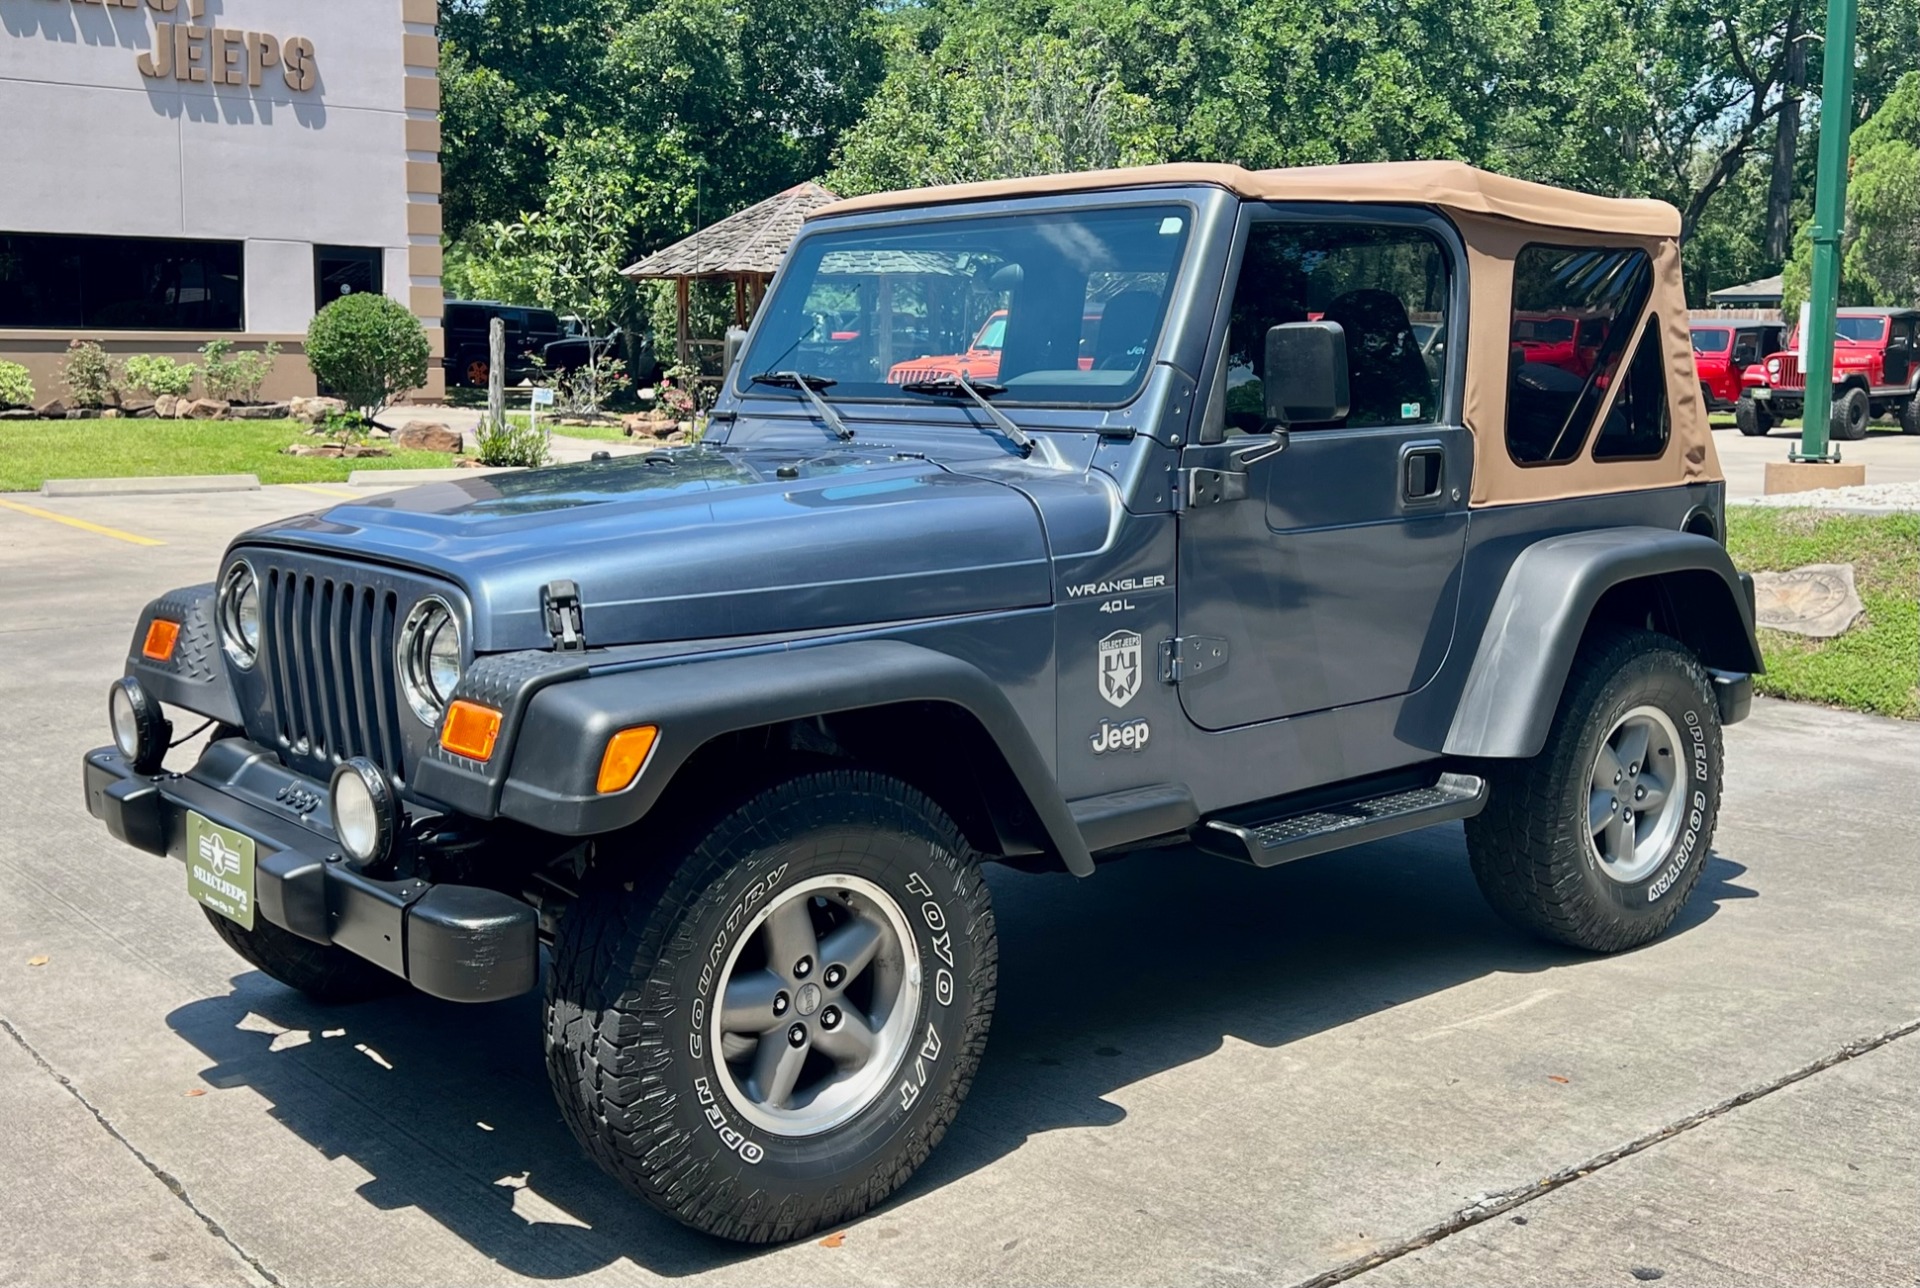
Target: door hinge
1202,487
566,622
1187,656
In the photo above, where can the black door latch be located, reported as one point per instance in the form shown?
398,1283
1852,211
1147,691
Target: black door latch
560,606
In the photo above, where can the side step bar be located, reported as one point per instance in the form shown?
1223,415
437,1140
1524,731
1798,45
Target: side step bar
1334,827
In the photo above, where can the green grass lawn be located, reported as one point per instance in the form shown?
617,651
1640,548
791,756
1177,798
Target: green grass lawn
1873,666
33,451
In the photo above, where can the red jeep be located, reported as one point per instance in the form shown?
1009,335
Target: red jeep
1876,372
1722,352
981,361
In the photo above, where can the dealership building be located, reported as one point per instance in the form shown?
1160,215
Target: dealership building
178,171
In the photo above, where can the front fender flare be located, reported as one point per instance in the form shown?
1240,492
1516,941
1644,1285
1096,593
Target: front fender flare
551,784
1543,609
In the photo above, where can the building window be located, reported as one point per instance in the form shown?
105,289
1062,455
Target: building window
1636,425
120,283
1574,309
345,270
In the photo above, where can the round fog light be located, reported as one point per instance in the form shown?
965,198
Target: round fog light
363,810
139,730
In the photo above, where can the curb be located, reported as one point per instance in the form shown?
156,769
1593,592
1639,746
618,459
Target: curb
158,484
405,478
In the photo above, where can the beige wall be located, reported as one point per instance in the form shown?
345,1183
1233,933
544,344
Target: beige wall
95,146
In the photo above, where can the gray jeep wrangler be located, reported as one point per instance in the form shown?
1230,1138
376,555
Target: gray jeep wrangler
1038,522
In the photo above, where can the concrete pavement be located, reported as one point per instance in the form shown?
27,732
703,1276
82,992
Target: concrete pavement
1890,456
1344,1069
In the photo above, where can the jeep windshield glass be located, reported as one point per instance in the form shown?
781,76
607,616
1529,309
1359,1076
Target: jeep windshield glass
1057,309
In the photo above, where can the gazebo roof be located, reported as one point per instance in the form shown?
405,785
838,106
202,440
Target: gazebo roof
753,240
1766,288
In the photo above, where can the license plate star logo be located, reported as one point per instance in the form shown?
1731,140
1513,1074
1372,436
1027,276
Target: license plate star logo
216,854
1120,667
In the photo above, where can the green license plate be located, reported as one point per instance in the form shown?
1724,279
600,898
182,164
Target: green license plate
220,869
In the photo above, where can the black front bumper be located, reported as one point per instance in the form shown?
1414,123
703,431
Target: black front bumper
461,943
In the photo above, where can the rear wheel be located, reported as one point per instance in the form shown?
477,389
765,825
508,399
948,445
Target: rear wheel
1852,410
770,1036
1754,420
1597,841
476,371
323,972
1910,414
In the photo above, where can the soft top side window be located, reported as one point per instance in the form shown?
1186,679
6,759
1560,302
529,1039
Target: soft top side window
1637,425
1574,309
1387,286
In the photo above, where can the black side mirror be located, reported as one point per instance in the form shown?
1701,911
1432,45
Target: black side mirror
736,341
1306,378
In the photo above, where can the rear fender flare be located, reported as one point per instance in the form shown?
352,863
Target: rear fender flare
1543,611
556,754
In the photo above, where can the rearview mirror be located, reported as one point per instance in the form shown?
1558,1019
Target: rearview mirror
1306,378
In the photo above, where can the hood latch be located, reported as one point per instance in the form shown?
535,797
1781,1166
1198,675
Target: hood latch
560,606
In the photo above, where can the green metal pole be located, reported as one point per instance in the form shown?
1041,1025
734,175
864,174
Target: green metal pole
1829,218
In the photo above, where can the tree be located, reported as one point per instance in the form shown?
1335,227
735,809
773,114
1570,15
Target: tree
367,349
1880,245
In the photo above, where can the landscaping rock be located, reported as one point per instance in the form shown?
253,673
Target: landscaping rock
109,413
136,408
1818,600
83,413
259,411
426,436
52,409
206,409
164,405
20,413
334,451
314,410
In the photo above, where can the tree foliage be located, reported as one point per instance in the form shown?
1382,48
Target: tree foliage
1880,244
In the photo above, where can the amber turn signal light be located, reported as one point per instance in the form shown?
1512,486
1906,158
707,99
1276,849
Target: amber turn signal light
626,754
470,729
162,635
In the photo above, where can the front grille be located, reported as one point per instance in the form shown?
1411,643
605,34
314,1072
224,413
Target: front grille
1790,377
327,660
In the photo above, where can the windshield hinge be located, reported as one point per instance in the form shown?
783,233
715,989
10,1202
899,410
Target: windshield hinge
560,607
1187,656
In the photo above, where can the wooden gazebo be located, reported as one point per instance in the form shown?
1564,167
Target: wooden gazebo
744,248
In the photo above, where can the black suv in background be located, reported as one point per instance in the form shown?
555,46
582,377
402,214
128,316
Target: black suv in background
529,332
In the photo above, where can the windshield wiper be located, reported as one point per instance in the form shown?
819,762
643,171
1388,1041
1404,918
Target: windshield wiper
809,387
979,391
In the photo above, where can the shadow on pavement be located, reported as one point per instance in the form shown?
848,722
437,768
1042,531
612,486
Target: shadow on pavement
1145,967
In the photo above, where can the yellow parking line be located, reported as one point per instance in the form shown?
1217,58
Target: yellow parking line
321,489
81,524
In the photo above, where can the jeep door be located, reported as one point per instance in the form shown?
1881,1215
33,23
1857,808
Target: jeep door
1335,580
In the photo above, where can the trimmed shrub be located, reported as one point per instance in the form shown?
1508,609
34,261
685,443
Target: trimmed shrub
159,377
16,386
236,377
367,349
89,375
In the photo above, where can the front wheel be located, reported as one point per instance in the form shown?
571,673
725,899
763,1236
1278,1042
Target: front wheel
1598,840
1851,412
772,1036
1753,420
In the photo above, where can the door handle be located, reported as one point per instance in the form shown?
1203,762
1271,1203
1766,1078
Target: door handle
1423,472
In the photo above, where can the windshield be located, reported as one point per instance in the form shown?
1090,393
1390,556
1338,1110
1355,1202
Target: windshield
1060,309
1850,330
1707,339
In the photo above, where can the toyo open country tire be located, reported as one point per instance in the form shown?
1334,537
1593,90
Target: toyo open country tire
668,992
1637,735
1753,420
323,972
1910,414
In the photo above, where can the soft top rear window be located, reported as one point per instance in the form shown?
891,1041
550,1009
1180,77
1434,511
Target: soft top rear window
1061,309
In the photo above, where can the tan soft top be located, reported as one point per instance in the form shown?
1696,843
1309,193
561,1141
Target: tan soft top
1450,185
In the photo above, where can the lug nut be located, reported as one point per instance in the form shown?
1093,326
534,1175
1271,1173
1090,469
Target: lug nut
797,1035
803,968
780,1003
830,1018
1617,776
1639,793
836,976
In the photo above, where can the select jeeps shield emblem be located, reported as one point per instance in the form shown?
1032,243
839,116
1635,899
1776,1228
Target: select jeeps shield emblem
1120,667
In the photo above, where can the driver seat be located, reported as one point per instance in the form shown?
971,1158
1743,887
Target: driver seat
1385,372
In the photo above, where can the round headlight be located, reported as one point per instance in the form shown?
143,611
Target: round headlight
361,803
139,730
239,612
1773,366
429,658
